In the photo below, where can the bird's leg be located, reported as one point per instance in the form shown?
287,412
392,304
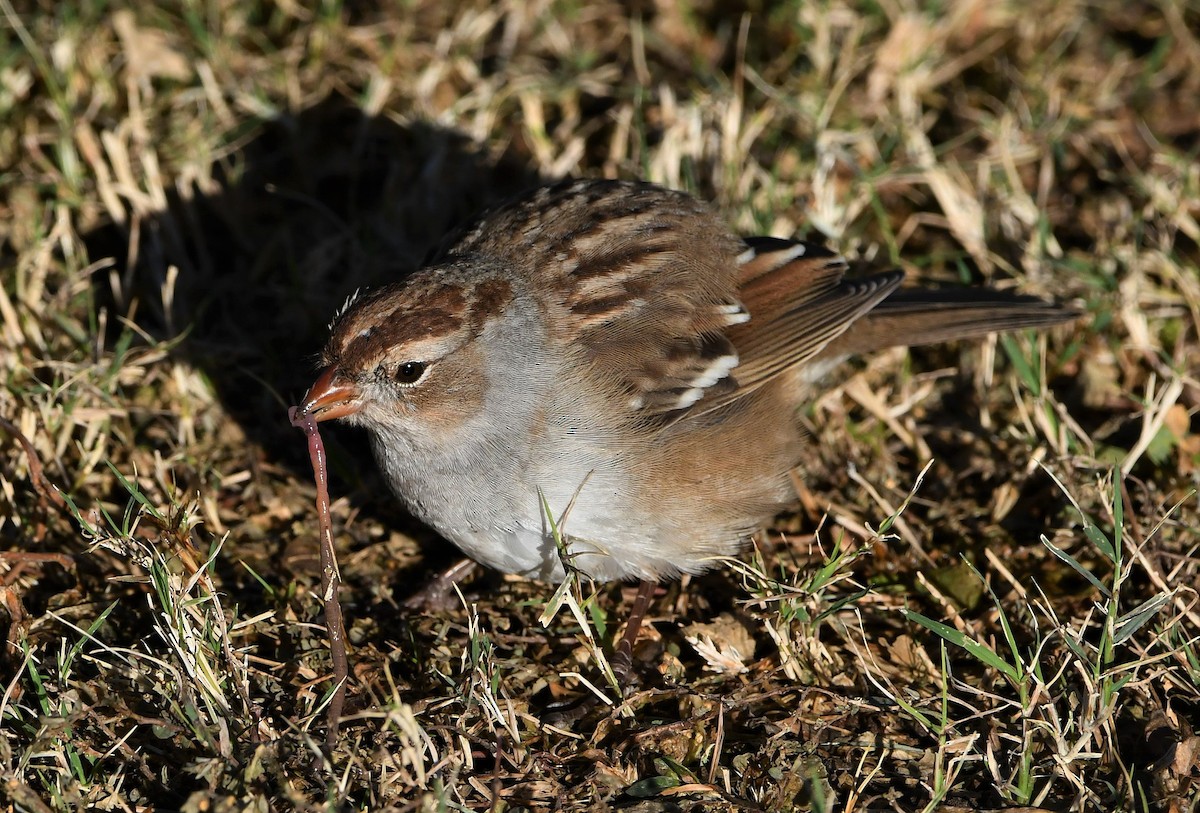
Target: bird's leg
622,661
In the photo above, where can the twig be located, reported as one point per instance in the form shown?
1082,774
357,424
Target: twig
44,488
47,493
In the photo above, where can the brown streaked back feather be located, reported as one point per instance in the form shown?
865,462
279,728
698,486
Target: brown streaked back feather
638,281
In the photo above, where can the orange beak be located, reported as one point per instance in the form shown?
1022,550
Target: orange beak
331,396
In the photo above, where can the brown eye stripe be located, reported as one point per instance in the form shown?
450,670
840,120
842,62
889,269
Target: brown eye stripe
404,327
369,328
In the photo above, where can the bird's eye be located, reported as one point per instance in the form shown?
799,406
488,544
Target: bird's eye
410,372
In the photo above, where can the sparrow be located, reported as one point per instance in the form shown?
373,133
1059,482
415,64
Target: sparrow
606,358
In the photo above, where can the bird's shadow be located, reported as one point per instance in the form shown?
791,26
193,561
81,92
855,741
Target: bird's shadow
245,278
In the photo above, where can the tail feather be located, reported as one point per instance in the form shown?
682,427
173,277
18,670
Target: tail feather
911,317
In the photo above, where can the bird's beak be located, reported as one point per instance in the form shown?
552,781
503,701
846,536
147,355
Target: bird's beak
331,396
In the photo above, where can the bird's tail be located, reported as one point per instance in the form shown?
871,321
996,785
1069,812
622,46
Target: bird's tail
913,316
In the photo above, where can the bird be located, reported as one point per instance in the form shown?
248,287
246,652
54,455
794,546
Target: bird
600,377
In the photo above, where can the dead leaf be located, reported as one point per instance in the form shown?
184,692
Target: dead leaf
725,644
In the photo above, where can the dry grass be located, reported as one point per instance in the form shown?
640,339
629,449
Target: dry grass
190,190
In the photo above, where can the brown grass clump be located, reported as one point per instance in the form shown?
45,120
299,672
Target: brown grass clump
986,601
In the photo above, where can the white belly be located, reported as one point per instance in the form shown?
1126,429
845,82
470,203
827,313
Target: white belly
502,522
